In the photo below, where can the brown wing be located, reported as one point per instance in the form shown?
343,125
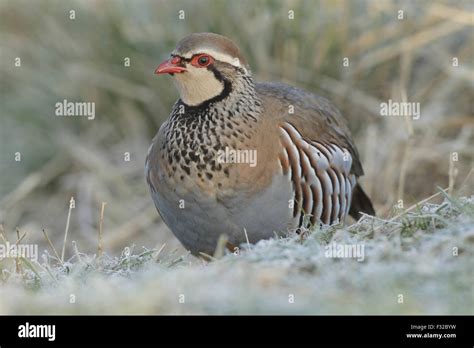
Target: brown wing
314,116
314,121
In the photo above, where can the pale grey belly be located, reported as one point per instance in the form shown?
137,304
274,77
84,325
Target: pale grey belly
198,220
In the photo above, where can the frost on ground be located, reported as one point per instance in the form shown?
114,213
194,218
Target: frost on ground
420,262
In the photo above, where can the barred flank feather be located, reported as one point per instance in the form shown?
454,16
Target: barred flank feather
321,177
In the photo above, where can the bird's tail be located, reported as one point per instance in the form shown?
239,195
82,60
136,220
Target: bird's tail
360,203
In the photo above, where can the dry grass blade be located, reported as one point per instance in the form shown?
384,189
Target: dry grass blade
17,259
221,245
453,172
159,252
52,246
207,257
100,250
71,206
246,237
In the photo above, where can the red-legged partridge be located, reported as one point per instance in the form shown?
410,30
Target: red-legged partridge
297,153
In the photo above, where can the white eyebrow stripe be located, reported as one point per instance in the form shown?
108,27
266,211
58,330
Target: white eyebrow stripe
216,55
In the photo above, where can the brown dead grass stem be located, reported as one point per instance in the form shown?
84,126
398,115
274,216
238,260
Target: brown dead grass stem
157,254
71,206
51,245
453,172
19,238
101,221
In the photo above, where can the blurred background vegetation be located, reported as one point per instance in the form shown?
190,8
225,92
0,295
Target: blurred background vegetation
409,59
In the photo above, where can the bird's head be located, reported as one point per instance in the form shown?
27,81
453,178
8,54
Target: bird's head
204,66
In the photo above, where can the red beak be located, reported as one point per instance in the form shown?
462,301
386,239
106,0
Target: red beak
170,66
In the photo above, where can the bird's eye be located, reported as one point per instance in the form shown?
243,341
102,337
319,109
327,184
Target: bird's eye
202,60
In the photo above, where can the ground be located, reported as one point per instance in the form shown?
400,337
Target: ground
418,262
